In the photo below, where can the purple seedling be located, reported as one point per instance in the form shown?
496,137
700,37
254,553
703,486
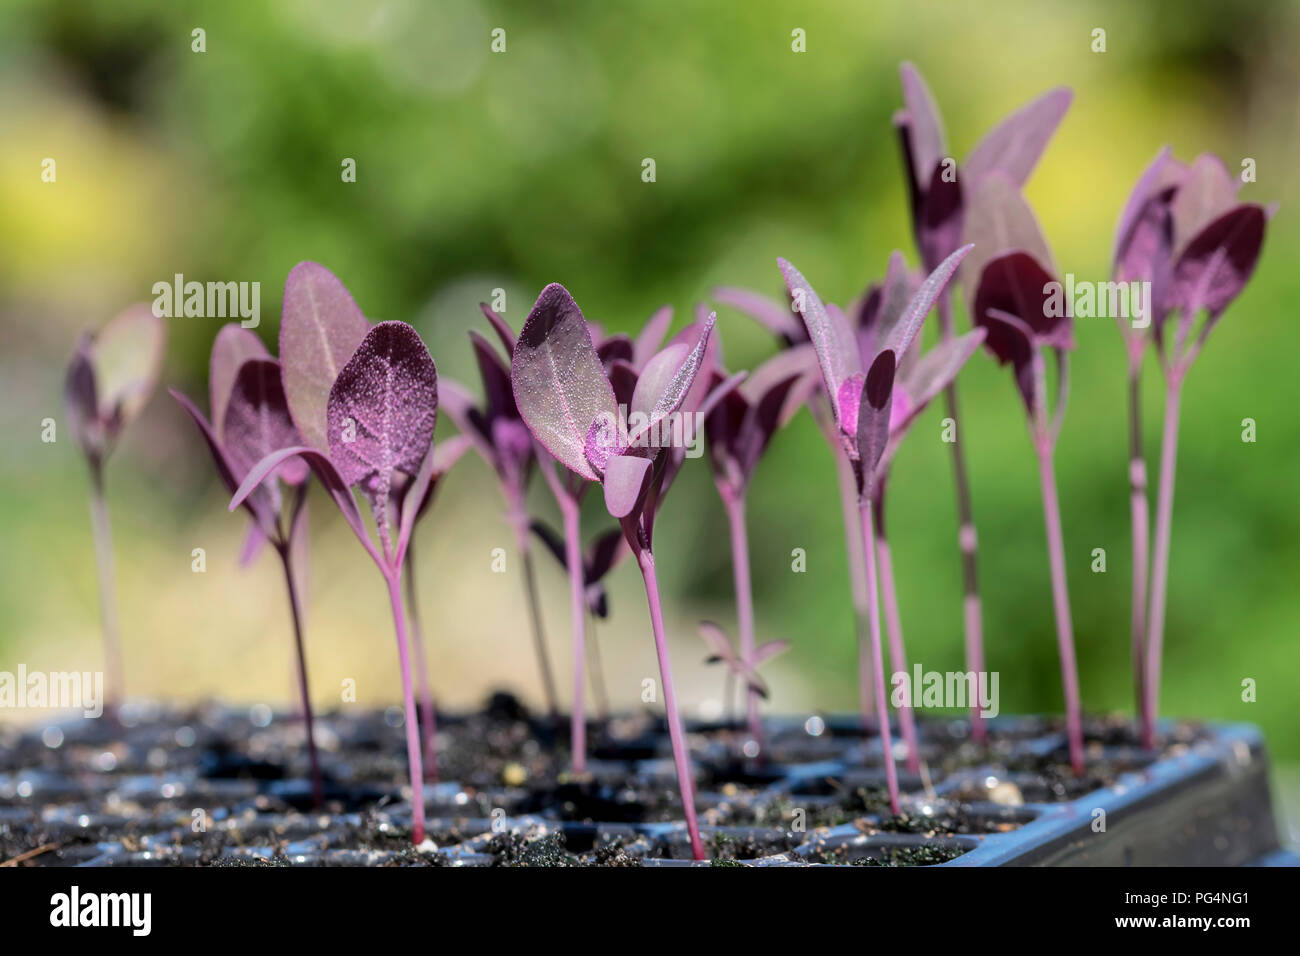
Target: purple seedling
919,380
739,429
938,192
250,420
379,418
110,379
739,667
600,557
1016,297
503,441
862,406
571,405
1185,233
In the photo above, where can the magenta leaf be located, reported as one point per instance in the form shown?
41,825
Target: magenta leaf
329,478
924,127
998,221
651,336
81,401
1014,146
257,421
501,327
833,341
904,332
559,384
1207,191
932,373
233,346
776,316
320,328
873,418
626,480
1145,219
1218,262
382,411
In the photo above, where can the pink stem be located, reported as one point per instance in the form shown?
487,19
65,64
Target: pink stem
428,717
1061,602
858,580
1140,520
972,610
408,700
317,789
735,506
517,515
646,560
578,620
1160,565
877,657
897,654
103,534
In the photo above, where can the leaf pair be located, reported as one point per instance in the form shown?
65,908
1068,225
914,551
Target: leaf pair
110,378
723,652
862,400
938,190
1184,231
568,402
1016,295
250,420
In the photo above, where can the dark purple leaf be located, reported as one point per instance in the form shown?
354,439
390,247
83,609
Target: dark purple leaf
1145,220
998,221
559,384
233,346
257,505
1018,285
924,127
81,401
496,379
873,418
1218,262
615,347
1206,192
257,421
320,328
501,327
382,411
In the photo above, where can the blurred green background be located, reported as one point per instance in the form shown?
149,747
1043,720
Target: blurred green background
478,170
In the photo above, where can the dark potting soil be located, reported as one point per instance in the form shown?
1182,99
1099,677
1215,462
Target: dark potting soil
223,786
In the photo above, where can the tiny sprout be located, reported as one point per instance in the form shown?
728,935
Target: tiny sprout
738,668
110,379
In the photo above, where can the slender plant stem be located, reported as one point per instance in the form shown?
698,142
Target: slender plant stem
1140,519
295,608
858,580
897,653
539,638
517,516
1061,603
729,697
103,534
428,716
877,655
597,674
735,506
408,701
681,761
972,609
578,621
1160,565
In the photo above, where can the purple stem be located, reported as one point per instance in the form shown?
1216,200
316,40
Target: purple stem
428,717
103,534
408,700
578,621
972,610
518,518
1160,566
597,675
858,580
1061,602
646,560
877,658
317,789
734,502
897,654
1140,519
